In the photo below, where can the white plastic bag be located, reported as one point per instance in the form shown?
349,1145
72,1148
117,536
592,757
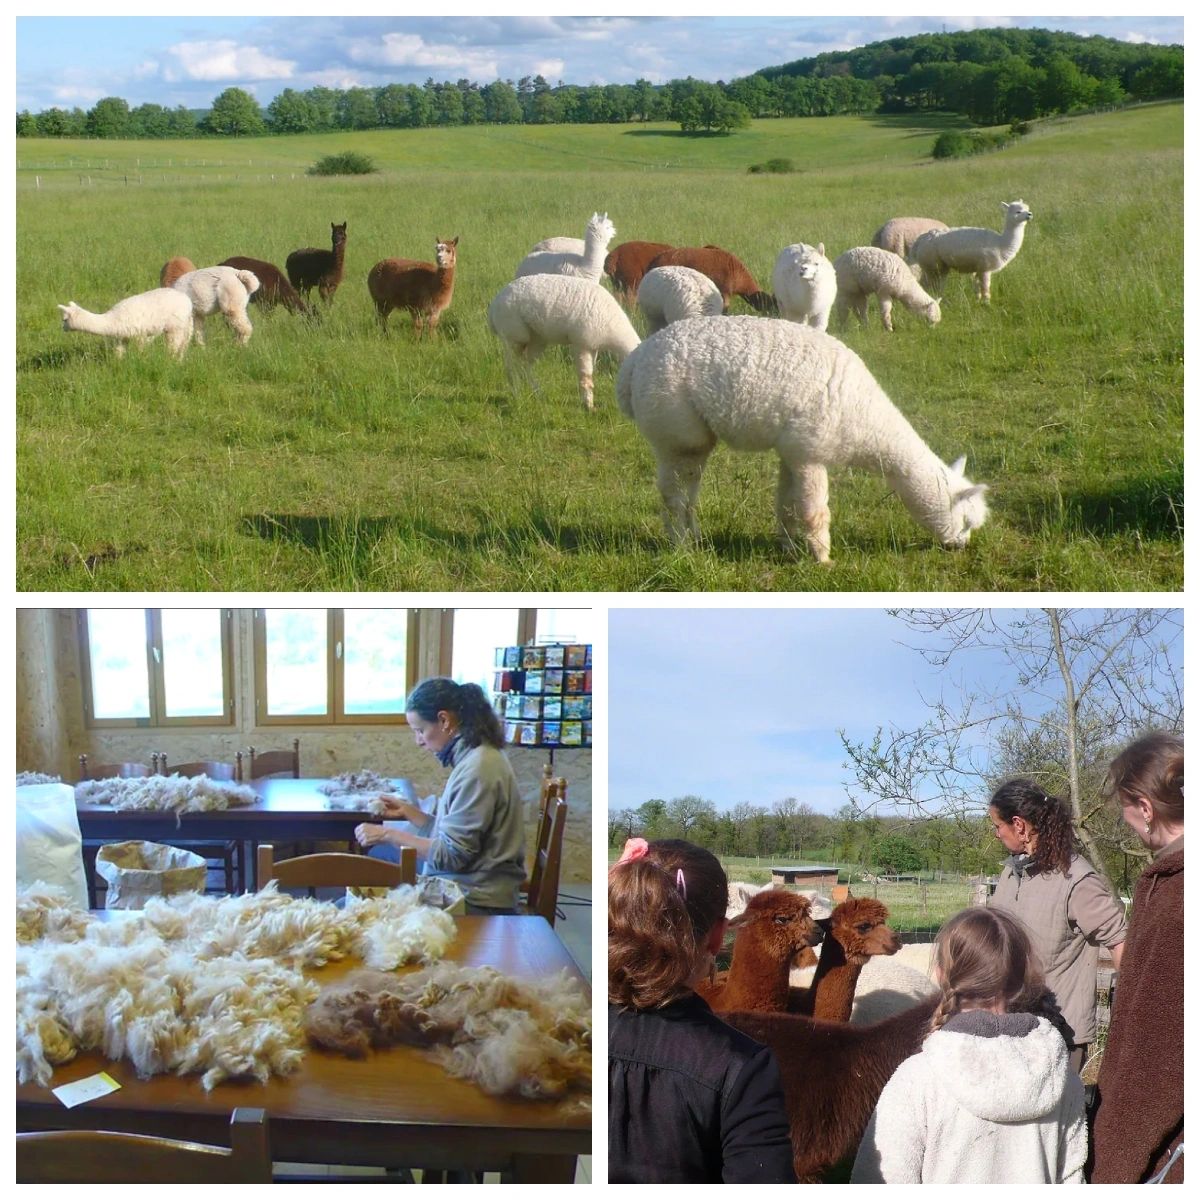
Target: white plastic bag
49,844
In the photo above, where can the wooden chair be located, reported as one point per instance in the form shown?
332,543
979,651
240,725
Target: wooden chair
214,770
89,1156
335,870
125,770
543,884
552,791
272,762
230,854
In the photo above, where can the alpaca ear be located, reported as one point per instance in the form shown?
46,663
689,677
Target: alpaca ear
64,308
745,917
821,248
976,489
959,465
455,242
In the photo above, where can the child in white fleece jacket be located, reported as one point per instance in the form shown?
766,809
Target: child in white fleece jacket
991,1097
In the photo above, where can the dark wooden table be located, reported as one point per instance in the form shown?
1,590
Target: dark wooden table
394,1108
291,810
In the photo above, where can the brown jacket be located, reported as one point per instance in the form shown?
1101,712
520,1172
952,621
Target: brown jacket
1138,1118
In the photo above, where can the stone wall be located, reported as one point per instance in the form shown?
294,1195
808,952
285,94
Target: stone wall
52,732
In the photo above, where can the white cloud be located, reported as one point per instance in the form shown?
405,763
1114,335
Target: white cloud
226,60
336,77
411,50
551,69
77,95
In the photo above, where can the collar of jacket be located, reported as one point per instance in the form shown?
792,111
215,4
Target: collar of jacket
446,753
1020,864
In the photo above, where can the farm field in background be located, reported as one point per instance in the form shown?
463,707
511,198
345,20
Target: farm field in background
326,456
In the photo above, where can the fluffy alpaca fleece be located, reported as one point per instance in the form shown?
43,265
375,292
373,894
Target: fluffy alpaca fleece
25,778
220,289
167,793
805,284
669,294
864,271
509,1036
211,985
139,318
348,791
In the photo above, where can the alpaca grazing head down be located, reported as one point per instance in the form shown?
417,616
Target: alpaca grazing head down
860,927
966,510
780,925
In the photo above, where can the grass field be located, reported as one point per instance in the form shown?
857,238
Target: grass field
325,456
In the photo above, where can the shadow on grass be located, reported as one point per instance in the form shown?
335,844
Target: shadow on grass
1152,508
62,356
673,133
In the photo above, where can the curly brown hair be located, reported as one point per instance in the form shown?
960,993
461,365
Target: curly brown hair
1046,815
656,926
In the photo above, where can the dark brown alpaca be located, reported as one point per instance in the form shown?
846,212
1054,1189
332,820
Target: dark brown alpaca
321,269
726,270
833,1073
858,931
776,927
273,287
421,288
627,264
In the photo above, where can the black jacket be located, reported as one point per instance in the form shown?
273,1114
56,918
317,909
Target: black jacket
692,1100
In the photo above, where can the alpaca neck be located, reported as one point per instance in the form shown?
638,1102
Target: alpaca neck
595,247
623,340
339,254
833,984
765,979
90,322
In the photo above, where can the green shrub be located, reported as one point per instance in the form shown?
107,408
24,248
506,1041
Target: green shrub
955,143
344,164
774,166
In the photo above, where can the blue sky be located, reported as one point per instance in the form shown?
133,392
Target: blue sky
76,60
745,704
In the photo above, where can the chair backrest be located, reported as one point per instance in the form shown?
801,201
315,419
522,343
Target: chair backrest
125,770
544,902
553,790
275,762
214,770
88,1156
335,870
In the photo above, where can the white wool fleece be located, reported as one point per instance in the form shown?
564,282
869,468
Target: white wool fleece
990,1099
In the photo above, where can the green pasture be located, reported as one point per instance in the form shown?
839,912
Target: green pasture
326,456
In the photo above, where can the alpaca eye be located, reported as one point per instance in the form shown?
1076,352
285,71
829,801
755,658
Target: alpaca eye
780,920
863,928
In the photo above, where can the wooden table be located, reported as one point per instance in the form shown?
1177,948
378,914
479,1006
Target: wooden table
394,1108
291,810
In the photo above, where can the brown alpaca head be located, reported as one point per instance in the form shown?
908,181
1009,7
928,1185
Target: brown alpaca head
446,252
780,922
860,927
339,234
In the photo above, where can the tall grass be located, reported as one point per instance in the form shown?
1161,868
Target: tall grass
325,455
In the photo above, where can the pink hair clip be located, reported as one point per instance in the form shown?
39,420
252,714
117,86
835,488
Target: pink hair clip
681,883
635,848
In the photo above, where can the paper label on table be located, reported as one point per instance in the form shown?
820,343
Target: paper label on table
83,1090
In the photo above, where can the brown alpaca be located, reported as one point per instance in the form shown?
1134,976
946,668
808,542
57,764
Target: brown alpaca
775,927
833,1074
421,288
273,287
727,271
858,930
173,268
627,264
321,269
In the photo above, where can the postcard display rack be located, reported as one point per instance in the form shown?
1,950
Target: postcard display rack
544,695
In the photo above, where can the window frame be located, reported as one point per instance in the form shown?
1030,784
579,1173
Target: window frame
156,678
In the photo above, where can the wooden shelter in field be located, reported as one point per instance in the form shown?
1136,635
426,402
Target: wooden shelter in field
807,878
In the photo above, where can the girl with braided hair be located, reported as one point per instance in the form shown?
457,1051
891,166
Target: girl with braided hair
991,1097
475,834
690,1099
1066,906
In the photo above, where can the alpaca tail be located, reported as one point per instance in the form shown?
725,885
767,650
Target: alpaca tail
249,281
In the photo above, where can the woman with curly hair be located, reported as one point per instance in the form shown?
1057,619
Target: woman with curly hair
1065,905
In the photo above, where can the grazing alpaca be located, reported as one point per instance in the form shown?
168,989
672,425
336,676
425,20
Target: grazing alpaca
173,268
321,269
627,264
139,318
726,270
588,264
774,929
421,288
858,930
223,290
273,287
833,1074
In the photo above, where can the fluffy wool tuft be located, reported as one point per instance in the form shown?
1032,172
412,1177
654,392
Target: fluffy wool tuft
166,793
28,778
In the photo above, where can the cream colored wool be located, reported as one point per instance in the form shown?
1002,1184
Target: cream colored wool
167,793
358,802
26,778
350,782
211,985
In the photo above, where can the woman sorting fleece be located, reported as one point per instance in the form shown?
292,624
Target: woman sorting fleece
476,833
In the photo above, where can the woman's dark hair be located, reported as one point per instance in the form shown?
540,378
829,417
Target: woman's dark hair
1151,767
1046,815
657,924
477,720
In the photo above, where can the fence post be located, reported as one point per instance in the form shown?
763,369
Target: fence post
37,181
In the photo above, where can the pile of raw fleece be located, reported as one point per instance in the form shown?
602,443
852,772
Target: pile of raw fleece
167,793
25,778
204,984
351,790
509,1036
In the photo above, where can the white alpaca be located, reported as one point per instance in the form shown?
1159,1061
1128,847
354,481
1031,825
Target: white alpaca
898,234
865,271
758,383
978,252
886,987
586,265
220,289
669,294
804,284
537,311
139,318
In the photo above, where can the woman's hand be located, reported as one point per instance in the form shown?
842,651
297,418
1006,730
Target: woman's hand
396,810
368,835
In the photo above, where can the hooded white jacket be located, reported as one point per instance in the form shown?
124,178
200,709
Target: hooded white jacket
989,1099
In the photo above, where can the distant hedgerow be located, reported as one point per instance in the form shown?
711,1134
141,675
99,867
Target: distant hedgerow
344,164
955,143
773,166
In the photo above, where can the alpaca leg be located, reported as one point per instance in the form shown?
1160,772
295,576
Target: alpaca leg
584,367
841,310
119,348
983,285
859,304
178,337
239,322
530,353
679,475
885,311
198,326
803,499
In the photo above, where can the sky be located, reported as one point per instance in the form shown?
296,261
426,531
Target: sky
744,705
77,60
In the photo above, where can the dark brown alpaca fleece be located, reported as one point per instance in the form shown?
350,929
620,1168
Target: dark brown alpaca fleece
273,287
626,266
321,269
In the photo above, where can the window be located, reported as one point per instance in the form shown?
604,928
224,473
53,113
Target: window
474,635
156,667
571,625
317,666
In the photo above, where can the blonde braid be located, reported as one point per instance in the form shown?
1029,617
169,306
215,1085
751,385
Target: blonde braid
947,1007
